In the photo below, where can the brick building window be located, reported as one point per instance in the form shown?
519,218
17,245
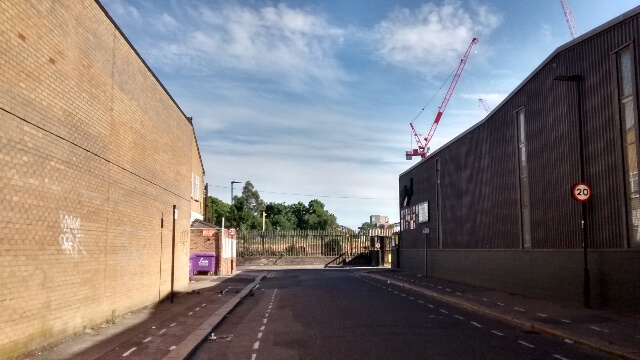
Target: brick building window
195,187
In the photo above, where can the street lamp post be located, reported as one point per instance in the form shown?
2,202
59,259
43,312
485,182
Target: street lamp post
233,182
586,291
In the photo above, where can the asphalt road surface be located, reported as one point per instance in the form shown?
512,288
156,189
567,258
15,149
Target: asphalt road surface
344,314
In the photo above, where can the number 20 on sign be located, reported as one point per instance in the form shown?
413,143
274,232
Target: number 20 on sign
581,192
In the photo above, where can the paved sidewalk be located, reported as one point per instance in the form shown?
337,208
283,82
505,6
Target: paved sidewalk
613,333
154,332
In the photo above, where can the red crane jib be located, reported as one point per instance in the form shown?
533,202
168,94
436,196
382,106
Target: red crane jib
421,150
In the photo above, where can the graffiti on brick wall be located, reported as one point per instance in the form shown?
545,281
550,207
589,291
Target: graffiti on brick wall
71,237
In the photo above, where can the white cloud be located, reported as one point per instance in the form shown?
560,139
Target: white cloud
432,39
282,44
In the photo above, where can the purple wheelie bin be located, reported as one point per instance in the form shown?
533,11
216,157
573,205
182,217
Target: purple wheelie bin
204,262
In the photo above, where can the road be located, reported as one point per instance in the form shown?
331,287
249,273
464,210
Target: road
345,314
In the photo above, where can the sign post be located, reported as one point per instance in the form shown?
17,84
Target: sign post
582,193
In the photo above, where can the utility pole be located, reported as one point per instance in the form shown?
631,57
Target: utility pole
233,182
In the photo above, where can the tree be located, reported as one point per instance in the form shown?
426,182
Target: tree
241,216
280,217
217,210
317,218
252,198
366,226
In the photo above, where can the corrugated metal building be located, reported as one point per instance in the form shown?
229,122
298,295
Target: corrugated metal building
497,201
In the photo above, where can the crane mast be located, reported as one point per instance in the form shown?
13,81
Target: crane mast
485,105
422,147
569,16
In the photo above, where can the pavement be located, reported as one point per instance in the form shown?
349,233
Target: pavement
164,330
613,333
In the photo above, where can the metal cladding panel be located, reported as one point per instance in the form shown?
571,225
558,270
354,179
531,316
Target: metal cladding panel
480,189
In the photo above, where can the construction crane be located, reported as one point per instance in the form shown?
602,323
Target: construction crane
569,16
422,147
484,104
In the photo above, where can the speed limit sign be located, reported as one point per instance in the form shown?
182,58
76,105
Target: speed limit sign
232,231
581,192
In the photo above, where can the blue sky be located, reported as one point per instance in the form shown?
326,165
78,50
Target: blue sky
315,98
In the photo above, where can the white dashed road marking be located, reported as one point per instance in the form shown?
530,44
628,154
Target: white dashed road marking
459,317
444,311
190,313
147,339
264,321
173,324
253,356
567,321
161,331
256,345
495,332
259,335
560,357
476,324
526,344
129,352
518,309
543,315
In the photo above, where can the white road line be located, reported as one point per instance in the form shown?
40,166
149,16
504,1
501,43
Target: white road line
262,328
411,298
595,328
459,293
485,299
203,304
560,357
501,304
421,302
147,339
395,292
459,317
431,285
259,335
264,321
443,311
543,315
161,331
191,313
266,315
476,324
495,332
448,289
567,321
129,352
439,287
403,295
518,309
253,356
430,305
173,324
256,345
526,344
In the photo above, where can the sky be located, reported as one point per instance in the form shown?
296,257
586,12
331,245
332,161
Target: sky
313,99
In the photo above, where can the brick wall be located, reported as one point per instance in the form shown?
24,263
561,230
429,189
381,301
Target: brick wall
87,172
201,243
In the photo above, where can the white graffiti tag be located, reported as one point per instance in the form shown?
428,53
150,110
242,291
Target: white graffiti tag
71,238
